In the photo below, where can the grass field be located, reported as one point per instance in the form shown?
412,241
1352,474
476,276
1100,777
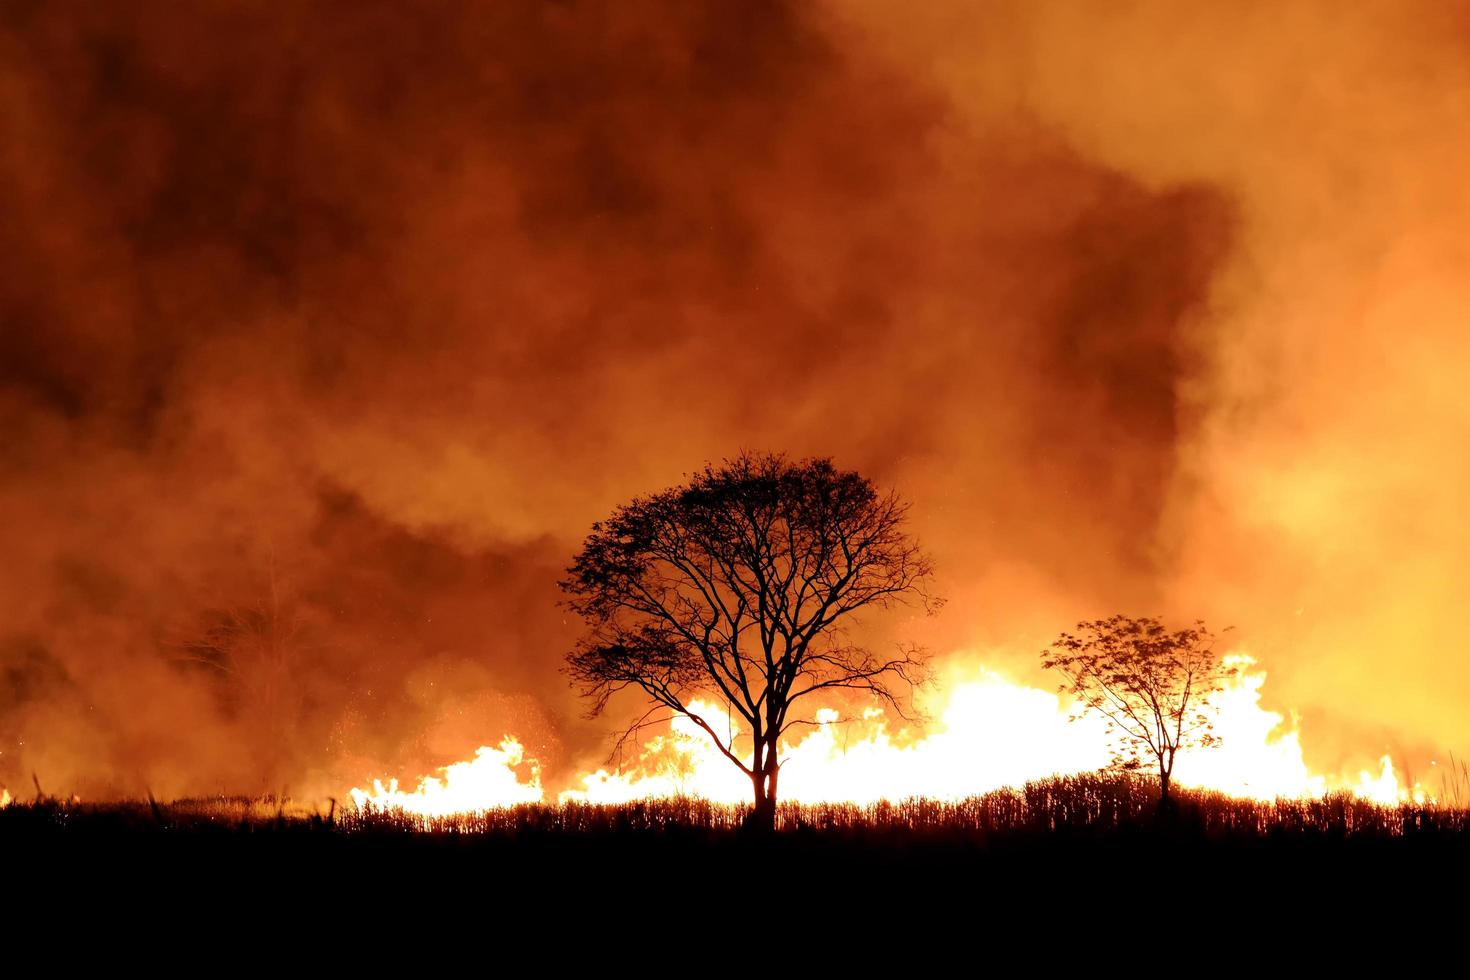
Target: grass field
1036,864
1089,806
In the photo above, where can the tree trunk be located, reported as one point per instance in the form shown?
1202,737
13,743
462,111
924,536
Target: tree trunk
762,819
1165,814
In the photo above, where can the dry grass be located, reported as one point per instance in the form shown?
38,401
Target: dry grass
1454,784
1083,805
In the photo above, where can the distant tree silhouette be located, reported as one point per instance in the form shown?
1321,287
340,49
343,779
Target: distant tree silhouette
740,586
255,646
1154,687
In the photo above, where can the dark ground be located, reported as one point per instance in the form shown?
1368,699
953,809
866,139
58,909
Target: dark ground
1032,878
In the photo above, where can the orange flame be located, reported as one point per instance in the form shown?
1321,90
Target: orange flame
989,732
487,781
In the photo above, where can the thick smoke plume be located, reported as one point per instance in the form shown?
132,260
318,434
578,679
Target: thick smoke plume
325,333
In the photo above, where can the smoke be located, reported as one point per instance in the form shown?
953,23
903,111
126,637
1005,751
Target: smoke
1316,499
325,335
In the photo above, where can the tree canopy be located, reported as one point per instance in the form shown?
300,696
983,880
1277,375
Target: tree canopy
742,585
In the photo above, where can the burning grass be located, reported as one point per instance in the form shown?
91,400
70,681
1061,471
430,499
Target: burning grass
1084,806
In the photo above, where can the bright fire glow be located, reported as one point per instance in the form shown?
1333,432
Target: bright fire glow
488,780
987,732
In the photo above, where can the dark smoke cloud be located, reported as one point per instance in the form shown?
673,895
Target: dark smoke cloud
326,332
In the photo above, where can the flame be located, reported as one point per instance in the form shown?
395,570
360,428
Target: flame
487,781
832,762
987,732
4,798
1386,788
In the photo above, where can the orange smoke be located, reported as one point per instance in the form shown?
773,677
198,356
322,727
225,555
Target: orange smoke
1154,306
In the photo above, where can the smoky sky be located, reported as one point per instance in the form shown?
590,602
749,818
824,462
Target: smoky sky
327,330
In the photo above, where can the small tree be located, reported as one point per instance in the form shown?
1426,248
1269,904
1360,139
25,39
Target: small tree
1154,687
741,585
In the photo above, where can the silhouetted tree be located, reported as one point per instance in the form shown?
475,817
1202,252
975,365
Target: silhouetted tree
740,585
255,645
1153,686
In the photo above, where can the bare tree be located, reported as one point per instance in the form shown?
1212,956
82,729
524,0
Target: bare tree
741,586
1154,687
255,646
